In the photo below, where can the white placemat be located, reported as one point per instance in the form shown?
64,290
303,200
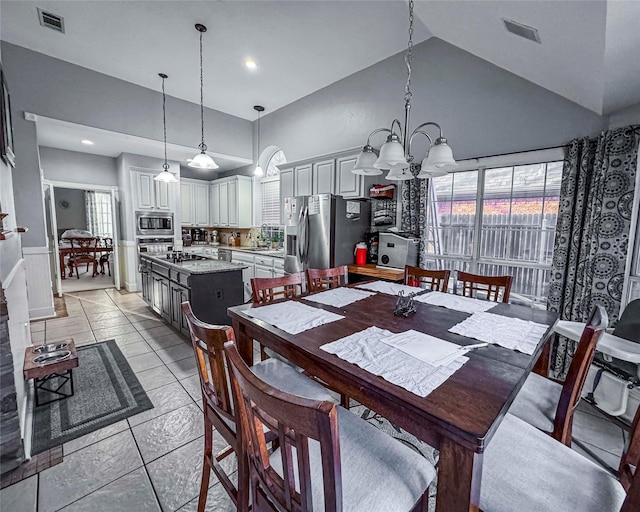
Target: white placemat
425,347
512,333
339,297
389,288
457,302
366,350
292,317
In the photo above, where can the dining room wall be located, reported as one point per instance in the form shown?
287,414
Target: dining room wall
71,212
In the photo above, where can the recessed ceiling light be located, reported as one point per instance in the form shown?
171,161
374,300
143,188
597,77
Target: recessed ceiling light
250,63
87,142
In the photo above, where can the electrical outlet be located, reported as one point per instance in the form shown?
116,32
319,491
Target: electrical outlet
218,294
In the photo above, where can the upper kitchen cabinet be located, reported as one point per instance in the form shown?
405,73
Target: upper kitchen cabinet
303,181
232,202
151,194
194,202
324,177
286,187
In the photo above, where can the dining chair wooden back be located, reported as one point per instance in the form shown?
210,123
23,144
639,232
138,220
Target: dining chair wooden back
105,247
496,288
526,470
346,471
268,289
549,405
208,346
435,280
84,250
325,279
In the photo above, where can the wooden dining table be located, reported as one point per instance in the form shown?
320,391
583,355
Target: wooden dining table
67,251
458,418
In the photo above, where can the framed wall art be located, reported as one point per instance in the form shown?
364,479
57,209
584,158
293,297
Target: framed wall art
6,126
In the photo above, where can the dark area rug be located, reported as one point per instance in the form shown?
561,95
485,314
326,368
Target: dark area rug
106,391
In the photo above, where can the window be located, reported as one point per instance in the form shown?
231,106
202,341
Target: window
99,219
497,221
270,190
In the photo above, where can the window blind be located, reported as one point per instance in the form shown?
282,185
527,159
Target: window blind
271,201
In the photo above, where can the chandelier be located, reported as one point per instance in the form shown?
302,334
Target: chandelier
165,175
395,154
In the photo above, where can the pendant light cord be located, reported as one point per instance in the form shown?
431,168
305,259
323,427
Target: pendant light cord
409,56
203,146
165,166
258,137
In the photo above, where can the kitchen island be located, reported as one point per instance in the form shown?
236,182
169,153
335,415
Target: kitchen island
211,286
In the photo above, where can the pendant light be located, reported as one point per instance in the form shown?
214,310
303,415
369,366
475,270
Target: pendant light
202,160
165,176
395,153
258,171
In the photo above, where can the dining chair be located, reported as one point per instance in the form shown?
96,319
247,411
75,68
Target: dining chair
327,458
218,406
435,280
525,470
549,405
268,289
105,256
326,279
83,250
496,288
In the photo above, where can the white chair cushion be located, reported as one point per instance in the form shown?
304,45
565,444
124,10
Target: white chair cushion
525,470
284,377
274,355
537,402
379,474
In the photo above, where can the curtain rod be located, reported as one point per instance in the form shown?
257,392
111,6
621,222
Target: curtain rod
514,153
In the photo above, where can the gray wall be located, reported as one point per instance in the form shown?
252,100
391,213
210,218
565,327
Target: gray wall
483,109
75,167
73,216
625,117
60,90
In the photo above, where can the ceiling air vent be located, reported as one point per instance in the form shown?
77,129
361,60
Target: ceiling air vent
51,20
521,30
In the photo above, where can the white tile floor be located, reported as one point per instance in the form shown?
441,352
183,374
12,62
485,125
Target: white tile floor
152,461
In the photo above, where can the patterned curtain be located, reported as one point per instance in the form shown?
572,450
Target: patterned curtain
414,210
592,233
92,212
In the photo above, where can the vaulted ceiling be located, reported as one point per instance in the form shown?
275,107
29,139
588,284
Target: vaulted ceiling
588,51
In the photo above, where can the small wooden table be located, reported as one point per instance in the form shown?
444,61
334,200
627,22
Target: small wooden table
371,270
42,373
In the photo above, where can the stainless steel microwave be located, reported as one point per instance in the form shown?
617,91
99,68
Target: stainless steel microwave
154,224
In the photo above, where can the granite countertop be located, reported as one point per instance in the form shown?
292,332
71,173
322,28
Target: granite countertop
274,253
195,266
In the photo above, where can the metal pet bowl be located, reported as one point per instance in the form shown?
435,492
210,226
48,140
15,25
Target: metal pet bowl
51,347
52,357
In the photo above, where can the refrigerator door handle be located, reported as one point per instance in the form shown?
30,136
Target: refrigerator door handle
300,237
306,235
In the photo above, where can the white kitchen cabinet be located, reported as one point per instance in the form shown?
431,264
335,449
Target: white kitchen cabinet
201,204
324,177
247,273
232,202
214,204
194,203
186,203
303,182
223,203
262,271
347,183
151,194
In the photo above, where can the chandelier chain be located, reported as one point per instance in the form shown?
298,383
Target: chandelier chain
165,166
409,56
202,146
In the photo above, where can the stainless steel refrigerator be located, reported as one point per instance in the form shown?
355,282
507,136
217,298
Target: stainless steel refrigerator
321,231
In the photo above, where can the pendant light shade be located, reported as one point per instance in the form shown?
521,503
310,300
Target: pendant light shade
202,160
426,173
399,174
364,163
165,176
440,157
258,170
